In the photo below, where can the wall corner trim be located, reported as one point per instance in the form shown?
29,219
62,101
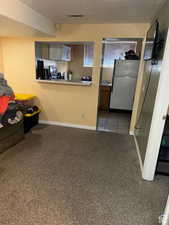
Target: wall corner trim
54,123
131,132
138,153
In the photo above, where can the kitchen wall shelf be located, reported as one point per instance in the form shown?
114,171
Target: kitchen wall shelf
66,82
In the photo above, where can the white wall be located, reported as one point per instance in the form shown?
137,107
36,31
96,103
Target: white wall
16,13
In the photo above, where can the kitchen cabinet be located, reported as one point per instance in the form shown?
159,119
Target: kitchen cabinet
104,102
45,51
42,51
66,53
60,53
57,52
38,50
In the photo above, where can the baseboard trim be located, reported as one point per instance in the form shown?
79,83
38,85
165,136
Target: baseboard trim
138,153
131,133
67,125
120,110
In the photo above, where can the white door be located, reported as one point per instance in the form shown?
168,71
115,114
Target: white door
165,217
158,118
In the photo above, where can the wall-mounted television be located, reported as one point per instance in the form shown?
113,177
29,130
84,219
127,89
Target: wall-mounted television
152,43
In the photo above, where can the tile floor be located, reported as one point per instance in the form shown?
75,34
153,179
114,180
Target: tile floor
117,122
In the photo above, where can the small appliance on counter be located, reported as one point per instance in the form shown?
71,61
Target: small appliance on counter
65,75
47,75
59,75
44,72
40,73
70,75
86,78
53,71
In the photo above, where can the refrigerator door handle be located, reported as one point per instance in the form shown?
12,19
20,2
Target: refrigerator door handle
164,117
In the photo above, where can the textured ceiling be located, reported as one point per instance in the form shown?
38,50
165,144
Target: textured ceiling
97,11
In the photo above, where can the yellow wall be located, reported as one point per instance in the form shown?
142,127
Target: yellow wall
59,103
1,58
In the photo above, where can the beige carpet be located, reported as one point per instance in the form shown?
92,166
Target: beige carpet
64,176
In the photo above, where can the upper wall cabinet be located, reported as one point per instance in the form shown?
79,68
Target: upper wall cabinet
57,52
45,51
60,53
42,51
37,50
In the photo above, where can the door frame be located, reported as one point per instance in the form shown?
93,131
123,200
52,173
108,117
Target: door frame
158,119
165,218
139,80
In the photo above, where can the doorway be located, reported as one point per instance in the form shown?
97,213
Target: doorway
118,78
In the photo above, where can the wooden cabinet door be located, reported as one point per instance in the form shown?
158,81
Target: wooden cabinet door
104,98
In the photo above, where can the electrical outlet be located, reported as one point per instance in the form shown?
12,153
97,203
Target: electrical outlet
82,115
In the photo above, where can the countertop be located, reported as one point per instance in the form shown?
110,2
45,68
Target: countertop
106,85
67,82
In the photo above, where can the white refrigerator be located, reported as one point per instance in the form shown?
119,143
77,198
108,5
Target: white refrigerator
124,84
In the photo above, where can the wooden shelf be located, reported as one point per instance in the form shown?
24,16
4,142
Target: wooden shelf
66,82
